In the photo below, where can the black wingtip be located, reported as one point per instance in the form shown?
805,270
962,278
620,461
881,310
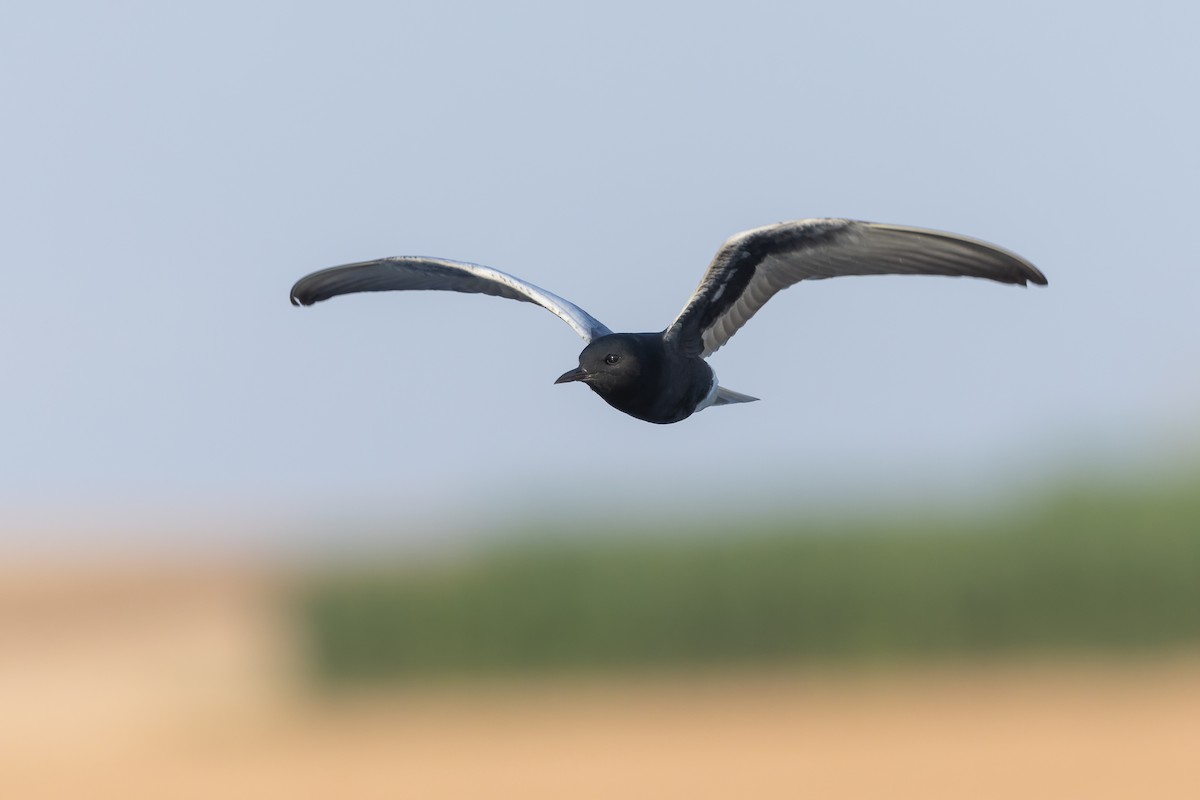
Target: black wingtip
1034,275
299,296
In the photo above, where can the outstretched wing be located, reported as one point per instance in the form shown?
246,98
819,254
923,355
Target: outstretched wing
752,266
412,272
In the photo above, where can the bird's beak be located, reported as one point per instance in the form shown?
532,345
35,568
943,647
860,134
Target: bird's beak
577,374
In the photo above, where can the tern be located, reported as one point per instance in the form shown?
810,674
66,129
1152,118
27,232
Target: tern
663,377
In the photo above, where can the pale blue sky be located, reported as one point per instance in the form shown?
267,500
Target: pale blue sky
169,170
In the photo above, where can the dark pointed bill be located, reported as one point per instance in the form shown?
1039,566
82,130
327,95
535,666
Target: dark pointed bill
577,374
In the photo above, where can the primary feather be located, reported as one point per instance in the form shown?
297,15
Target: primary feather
751,267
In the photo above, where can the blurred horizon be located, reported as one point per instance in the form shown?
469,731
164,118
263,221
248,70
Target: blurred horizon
165,529
1049,645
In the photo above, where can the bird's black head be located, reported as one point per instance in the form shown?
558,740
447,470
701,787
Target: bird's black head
612,365
639,374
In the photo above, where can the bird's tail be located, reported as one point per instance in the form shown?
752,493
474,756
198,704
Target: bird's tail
725,397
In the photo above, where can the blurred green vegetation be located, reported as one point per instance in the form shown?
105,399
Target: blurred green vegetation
1083,571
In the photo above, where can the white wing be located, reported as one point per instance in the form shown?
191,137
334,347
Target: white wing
414,273
752,266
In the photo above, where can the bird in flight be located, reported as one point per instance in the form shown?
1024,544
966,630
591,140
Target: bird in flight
663,377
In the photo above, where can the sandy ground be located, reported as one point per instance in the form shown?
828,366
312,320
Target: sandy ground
178,683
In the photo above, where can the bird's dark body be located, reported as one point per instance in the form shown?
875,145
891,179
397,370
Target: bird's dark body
651,379
663,377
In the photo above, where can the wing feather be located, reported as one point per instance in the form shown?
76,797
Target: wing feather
753,266
407,273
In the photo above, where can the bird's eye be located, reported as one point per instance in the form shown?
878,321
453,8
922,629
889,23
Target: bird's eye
611,358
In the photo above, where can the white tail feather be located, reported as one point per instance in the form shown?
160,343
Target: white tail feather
725,397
